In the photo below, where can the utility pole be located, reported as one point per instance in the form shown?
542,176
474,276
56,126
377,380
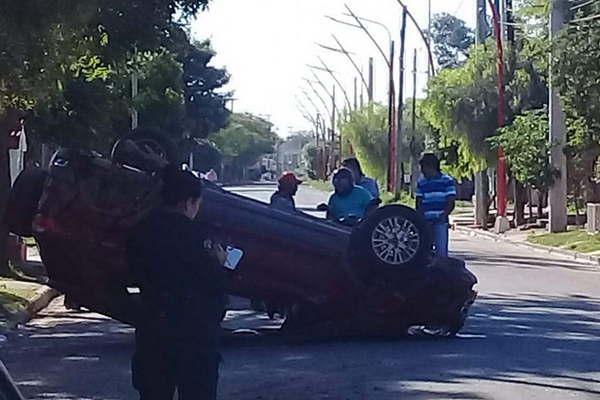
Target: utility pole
481,177
355,93
414,162
502,224
362,91
557,197
332,150
400,114
371,80
392,134
429,71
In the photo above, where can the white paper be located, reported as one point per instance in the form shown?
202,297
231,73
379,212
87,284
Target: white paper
233,258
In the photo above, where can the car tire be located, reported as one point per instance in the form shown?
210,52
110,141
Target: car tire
23,201
151,147
393,238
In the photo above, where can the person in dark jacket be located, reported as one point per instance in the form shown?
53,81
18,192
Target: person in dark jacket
182,284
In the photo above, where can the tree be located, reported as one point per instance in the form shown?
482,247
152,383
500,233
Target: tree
366,129
243,141
577,73
462,104
415,140
204,106
50,51
527,150
452,39
309,155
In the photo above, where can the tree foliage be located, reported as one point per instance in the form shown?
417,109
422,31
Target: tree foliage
462,104
73,68
576,68
452,39
68,62
367,131
527,150
245,139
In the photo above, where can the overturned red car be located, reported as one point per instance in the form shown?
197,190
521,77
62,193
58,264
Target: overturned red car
377,278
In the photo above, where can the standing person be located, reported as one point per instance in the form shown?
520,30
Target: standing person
360,179
348,200
182,291
283,198
436,195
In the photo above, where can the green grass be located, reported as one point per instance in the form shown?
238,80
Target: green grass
14,296
463,204
324,186
576,240
404,199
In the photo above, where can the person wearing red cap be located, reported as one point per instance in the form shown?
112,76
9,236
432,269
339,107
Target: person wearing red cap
283,198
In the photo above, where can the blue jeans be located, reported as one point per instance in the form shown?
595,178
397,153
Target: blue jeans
440,238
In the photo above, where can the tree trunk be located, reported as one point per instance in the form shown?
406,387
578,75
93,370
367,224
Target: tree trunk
482,201
520,200
414,174
8,122
530,202
541,202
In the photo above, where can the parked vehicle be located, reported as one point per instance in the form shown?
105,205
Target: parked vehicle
377,277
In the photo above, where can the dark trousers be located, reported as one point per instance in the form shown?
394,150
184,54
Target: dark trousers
160,366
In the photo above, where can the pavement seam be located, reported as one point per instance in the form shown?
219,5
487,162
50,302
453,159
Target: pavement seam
551,250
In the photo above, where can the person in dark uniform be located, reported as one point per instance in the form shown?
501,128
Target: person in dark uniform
182,284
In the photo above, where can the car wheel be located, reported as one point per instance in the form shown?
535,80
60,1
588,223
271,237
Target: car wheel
147,149
393,237
23,201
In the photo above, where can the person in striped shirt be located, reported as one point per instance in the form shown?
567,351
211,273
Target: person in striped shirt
436,195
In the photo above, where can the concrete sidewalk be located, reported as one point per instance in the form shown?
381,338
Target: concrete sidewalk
464,223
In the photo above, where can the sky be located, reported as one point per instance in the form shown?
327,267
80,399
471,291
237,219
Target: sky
266,46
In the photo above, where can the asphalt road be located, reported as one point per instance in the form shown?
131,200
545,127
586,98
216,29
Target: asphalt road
534,333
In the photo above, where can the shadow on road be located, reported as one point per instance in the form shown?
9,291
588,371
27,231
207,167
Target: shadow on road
530,345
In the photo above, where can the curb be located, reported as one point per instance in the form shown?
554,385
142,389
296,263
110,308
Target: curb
550,250
42,298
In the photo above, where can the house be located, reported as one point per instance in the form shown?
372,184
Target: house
289,152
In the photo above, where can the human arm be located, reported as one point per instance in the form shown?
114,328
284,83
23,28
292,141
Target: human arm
332,208
450,198
376,193
419,196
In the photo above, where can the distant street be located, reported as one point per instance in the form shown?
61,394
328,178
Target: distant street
534,334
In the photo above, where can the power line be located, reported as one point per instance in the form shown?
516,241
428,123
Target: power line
584,4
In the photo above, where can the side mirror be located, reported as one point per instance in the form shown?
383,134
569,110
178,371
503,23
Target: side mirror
323,207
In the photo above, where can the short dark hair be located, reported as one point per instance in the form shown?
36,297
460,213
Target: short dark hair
179,185
430,160
352,162
343,173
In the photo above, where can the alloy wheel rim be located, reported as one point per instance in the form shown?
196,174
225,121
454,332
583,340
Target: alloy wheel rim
395,240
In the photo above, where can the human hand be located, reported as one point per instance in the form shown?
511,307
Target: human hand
220,253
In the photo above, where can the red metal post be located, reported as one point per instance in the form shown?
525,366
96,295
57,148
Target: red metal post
501,169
